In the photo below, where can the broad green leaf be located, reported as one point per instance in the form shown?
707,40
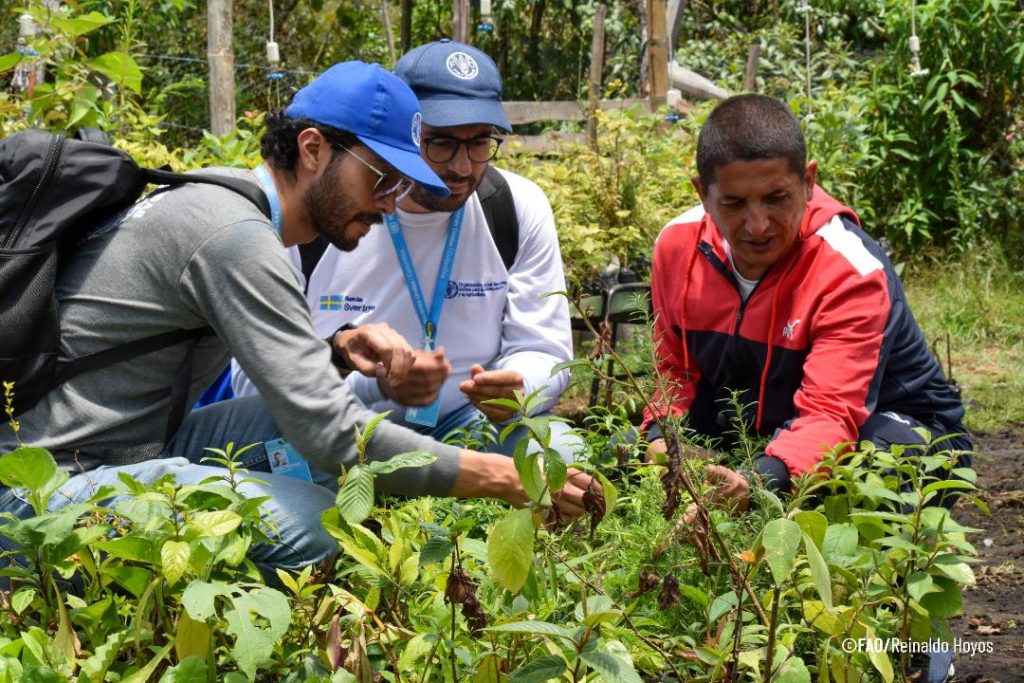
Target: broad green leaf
840,541
960,572
814,524
540,628
135,548
792,669
819,570
488,669
65,640
190,670
540,427
174,557
83,105
510,549
411,459
721,605
254,645
530,475
94,669
120,68
821,618
919,584
415,650
191,638
879,658
436,549
78,26
555,470
9,61
366,434
215,523
22,599
355,498
135,579
614,669
27,467
199,598
947,601
781,540
544,668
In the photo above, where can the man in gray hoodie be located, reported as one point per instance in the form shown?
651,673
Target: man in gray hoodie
198,255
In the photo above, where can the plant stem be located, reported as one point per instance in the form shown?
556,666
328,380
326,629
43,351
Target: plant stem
770,654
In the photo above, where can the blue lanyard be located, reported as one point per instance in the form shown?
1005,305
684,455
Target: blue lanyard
269,189
427,319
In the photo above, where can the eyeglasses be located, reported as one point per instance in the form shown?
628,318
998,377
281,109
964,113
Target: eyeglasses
387,184
442,149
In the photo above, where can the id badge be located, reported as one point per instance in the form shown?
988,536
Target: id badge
285,460
425,415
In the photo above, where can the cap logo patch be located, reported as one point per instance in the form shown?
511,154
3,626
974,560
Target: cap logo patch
462,66
417,121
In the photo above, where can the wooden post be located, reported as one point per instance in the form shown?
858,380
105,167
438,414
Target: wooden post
750,79
657,49
596,70
389,39
460,20
406,26
221,60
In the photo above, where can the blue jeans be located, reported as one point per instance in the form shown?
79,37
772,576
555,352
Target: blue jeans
567,442
294,506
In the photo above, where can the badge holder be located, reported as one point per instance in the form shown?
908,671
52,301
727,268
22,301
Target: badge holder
285,460
425,416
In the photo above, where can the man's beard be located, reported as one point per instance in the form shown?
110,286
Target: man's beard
331,211
447,204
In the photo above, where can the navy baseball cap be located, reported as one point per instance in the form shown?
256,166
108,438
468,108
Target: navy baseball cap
456,84
375,106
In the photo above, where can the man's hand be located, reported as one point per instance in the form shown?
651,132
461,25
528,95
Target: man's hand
487,384
656,448
422,383
732,492
490,475
376,349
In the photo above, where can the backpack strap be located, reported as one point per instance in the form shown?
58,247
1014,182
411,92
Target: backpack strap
500,213
251,191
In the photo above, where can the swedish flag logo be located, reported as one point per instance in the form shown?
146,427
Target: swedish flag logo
331,302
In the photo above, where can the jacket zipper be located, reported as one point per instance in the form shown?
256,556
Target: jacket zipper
49,166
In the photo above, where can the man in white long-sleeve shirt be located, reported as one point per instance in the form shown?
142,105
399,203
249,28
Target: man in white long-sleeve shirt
493,332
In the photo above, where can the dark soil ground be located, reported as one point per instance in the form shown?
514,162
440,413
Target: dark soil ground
994,608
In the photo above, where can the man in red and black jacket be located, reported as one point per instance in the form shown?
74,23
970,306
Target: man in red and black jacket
772,289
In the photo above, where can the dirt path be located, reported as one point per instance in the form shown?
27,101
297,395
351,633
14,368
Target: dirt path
994,608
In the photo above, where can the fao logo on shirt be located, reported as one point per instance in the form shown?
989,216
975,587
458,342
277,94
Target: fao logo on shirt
473,289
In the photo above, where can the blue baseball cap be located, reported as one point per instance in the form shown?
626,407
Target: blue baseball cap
375,106
456,84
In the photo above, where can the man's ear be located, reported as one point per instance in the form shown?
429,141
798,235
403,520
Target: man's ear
312,148
810,176
699,186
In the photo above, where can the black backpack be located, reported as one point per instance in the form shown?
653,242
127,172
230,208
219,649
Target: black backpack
53,192
500,212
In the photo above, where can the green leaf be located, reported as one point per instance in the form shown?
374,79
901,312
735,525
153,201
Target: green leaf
191,637
530,475
510,549
819,571
9,61
792,670
437,549
134,548
411,459
416,649
540,628
27,467
174,557
960,572
199,598
254,645
79,26
135,579
555,470
190,670
355,498
543,668
366,434
781,540
814,524
919,584
94,669
614,669
540,427
215,523
22,599
879,658
840,541
721,605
